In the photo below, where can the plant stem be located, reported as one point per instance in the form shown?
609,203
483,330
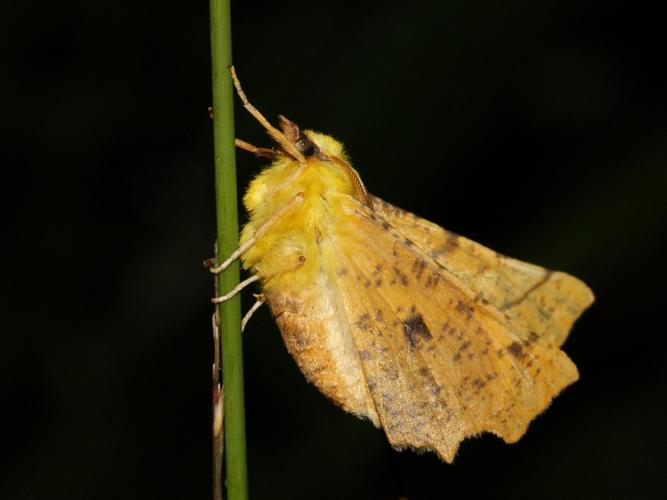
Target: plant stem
228,237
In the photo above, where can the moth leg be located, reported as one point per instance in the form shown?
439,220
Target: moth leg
258,303
218,394
264,228
235,255
217,401
264,152
235,290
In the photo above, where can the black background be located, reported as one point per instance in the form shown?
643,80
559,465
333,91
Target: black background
536,128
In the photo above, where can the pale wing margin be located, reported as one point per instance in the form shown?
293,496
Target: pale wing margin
546,303
439,365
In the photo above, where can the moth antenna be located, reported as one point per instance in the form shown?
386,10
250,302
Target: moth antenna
273,132
353,176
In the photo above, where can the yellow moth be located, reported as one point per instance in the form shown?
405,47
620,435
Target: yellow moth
427,334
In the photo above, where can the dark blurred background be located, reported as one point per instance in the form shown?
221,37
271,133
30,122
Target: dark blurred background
536,128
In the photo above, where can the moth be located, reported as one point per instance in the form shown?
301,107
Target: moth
427,334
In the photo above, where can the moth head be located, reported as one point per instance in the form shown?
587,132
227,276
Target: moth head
309,143
320,147
301,146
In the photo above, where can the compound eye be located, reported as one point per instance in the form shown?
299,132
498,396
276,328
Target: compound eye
307,147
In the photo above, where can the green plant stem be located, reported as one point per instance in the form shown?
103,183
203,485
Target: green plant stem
228,237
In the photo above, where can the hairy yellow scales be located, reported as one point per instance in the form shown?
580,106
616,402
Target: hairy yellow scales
429,335
300,232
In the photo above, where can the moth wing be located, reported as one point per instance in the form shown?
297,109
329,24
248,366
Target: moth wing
438,364
316,331
544,302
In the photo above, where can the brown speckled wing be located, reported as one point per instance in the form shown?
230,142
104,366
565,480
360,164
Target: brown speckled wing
440,363
544,302
390,333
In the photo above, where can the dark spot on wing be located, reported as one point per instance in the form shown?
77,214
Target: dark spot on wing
464,308
364,322
451,244
400,276
415,329
433,280
516,350
418,267
478,383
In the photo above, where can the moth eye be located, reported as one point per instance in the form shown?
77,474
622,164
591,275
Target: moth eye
307,147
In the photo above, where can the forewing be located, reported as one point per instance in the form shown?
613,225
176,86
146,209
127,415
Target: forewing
546,303
439,363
